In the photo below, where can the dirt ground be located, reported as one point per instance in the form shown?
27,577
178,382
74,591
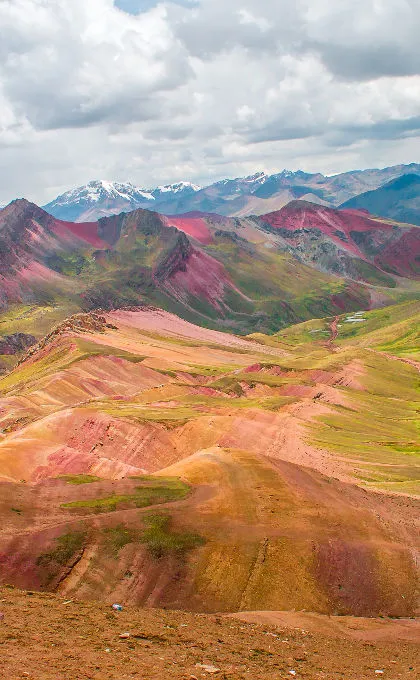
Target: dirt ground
44,637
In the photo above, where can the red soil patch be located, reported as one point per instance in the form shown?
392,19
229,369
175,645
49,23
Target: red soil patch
157,320
255,368
84,231
402,256
203,277
194,226
300,215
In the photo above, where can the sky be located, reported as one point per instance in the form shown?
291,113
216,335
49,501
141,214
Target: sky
157,92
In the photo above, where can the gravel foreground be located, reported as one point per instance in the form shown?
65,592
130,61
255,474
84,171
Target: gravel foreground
45,637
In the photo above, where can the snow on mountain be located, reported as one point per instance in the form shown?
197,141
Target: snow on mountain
256,194
98,199
175,188
97,190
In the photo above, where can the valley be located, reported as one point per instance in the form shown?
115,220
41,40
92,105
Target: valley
205,417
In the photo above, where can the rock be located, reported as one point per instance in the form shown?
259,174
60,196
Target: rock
208,669
18,342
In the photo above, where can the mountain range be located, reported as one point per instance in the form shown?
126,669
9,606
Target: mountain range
242,274
213,413
257,194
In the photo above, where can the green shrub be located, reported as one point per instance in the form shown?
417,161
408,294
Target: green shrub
161,540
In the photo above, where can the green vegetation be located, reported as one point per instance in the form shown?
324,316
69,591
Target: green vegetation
151,493
56,359
392,329
36,320
67,546
379,429
161,540
92,349
373,275
72,263
79,479
116,538
169,417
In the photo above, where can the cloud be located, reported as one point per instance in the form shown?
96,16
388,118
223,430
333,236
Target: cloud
137,6
155,91
80,63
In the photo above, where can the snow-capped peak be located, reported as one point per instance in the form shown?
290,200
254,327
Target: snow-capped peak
176,188
287,174
99,190
258,177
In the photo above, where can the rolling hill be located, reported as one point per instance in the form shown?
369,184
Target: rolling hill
149,461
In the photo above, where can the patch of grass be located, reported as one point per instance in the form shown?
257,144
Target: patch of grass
116,538
169,417
381,429
79,479
34,319
392,329
164,491
89,349
23,376
161,540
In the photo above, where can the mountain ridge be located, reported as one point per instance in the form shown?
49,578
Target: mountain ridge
398,199
237,274
255,194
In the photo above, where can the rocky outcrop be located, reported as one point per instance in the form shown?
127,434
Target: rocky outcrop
78,323
175,259
15,343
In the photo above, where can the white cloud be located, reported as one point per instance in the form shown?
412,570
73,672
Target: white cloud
200,90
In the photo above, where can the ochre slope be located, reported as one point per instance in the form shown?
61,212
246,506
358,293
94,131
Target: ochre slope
267,433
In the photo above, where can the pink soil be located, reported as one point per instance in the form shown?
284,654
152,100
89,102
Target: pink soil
83,231
194,226
203,277
402,256
156,320
36,270
302,216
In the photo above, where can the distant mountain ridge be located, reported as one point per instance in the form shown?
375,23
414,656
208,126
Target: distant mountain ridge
398,199
256,194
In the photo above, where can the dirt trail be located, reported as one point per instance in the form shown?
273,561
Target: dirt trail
333,333
410,362
356,628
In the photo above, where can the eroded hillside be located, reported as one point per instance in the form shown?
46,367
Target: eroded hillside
147,460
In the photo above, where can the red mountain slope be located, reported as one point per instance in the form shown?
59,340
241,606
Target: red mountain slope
391,248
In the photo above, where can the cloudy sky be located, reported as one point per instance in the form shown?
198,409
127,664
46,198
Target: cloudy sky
154,92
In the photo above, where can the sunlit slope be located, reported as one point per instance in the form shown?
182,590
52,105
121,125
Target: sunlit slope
395,330
144,459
